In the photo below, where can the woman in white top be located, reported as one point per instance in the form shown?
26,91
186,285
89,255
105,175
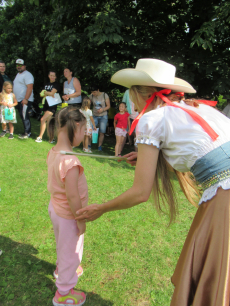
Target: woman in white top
181,137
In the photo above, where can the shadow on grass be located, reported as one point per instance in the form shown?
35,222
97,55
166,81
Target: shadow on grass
27,280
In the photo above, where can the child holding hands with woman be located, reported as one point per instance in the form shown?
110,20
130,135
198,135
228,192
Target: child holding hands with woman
7,100
68,188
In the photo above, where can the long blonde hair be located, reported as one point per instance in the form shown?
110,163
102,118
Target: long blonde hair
163,188
86,103
6,83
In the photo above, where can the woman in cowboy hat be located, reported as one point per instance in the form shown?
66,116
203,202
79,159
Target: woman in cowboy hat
172,134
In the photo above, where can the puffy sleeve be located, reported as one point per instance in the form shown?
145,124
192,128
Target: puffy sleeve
67,163
90,113
151,128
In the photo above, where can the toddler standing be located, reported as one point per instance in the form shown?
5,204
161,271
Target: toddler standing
121,121
85,109
68,188
7,100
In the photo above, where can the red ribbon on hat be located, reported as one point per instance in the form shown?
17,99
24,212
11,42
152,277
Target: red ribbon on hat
194,115
207,102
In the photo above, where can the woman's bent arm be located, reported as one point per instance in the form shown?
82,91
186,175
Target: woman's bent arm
138,193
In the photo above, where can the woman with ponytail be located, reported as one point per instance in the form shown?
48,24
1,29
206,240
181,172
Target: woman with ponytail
190,138
68,189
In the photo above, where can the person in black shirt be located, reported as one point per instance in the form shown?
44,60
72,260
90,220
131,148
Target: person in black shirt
50,89
3,76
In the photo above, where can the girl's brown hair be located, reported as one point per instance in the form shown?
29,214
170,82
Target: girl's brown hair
85,103
163,188
68,117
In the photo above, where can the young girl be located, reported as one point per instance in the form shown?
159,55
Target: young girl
7,99
68,188
85,109
121,121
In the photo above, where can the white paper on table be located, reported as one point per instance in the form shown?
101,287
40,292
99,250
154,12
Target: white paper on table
54,101
24,111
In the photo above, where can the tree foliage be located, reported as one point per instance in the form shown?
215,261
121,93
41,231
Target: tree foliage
96,38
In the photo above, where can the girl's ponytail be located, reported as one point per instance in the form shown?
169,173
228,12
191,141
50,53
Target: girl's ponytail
68,117
71,127
51,128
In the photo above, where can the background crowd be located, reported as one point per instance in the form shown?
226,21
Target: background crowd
99,104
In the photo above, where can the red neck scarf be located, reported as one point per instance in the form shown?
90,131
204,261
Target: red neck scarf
194,115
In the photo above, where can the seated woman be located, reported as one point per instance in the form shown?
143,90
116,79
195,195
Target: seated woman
51,88
101,104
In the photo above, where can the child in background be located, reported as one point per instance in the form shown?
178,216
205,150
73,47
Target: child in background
7,99
68,188
121,121
86,111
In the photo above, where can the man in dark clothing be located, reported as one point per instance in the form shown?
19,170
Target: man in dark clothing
3,76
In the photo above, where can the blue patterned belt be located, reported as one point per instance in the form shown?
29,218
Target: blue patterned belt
213,167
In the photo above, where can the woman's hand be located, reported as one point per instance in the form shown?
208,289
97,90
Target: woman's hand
131,158
100,110
89,213
65,98
82,227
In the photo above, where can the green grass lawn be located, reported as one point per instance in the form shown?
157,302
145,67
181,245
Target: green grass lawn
129,256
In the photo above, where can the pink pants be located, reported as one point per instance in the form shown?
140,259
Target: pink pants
69,248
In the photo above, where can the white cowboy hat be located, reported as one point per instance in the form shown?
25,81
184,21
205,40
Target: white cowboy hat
152,72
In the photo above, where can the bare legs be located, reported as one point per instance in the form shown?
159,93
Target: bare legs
11,126
44,119
118,146
86,142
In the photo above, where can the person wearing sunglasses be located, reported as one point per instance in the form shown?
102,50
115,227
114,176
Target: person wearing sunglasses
23,90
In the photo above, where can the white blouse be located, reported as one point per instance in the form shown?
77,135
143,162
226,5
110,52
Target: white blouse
181,139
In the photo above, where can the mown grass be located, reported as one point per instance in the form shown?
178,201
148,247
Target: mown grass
129,256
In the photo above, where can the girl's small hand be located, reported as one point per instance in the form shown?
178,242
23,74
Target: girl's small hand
89,213
95,128
82,227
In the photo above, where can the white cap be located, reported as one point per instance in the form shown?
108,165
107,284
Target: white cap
20,61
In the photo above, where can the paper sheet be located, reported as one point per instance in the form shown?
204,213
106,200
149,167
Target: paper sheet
24,111
54,101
